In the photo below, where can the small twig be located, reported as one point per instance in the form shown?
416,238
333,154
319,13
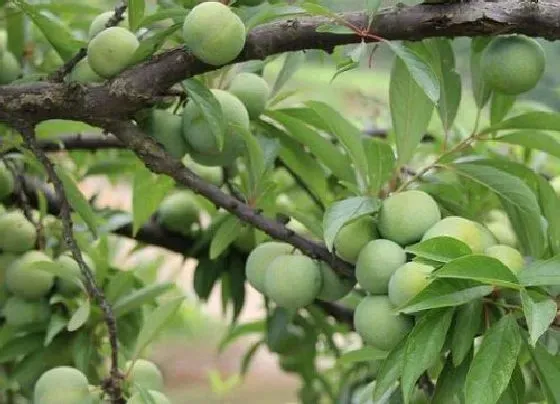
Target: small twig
95,293
66,68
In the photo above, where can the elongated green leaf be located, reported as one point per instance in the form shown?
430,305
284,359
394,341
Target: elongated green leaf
365,354
77,200
515,391
381,163
163,14
548,370
493,365
57,324
15,28
292,63
342,212
136,10
80,316
21,346
240,330
152,43
441,249
535,120
226,234
450,383
532,139
468,319
411,110
478,268
390,371
550,206
540,312
541,273
148,190
255,159
423,346
517,199
138,298
481,91
317,9
247,358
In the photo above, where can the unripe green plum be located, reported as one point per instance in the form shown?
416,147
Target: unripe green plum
377,322
26,279
17,234
179,211
62,385
407,281
293,281
157,397
83,73
99,23
404,217
259,260
487,238
65,286
503,233
145,374
203,145
10,68
213,175
214,33
353,236
377,261
252,90
111,51
458,228
167,129
20,312
555,183
333,287
508,256
6,181
497,215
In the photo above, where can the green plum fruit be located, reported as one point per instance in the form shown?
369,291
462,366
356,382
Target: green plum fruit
83,73
377,261
6,181
157,397
146,375
179,211
99,23
461,229
252,90
26,279
202,142
353,236
405,216
69,285
513,64
111,51
333,287
508,256
377,322
17,234
62,385
260,258
214,33
19,312
503,232
10,68
487,238
407,281
293,281
167,129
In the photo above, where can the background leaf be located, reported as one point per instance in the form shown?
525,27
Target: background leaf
540,312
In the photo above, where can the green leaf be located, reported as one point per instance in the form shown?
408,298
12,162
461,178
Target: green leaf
209,106
80,316
163,14
365,354
21,346
515,391
77,200
411,110
148,190
58,35
227,233
550,206
136,10
372,6
155,322
532,139
139,298
255,160
468,319
423,346
481,91
271,13
381,163
548,371
83,348
441,249
57,324
350,137
500,106
478,268
541,273
446,293
206,274
152,43
292,62
518,200
540,312
15,28
335,28
240,330
450,383
248,357
345,211
316,9
390,370
493,364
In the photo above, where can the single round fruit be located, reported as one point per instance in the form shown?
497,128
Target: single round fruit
333,287
99,23
377,261
214,33
62,385
26,279
293,281
404,217
6,181
69,285
111,51
157,397
10,68
17,234
179,211
252,90
378,324
408,281
503,233
83,73
259,260
213,175
513,64
145,374
353,236
203,145
508,256
167,129
461,229
20,312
